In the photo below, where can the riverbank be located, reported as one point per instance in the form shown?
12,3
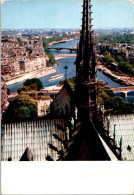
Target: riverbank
121,79
62,41
34,74
57,57
71,70
41,72
50,89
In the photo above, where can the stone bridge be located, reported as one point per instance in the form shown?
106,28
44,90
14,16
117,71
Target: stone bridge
124,91
64,48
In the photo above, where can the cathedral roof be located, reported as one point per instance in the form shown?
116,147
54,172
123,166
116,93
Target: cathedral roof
124,128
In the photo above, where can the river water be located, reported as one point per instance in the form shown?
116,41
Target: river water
69,62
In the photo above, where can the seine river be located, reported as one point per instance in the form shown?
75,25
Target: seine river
69,62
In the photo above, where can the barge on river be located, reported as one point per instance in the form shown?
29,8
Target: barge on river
56,77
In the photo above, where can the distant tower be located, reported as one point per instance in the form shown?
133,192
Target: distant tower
86,69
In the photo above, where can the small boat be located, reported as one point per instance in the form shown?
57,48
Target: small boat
56,77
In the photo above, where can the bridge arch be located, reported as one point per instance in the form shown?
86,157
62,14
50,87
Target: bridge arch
123,93
130,93
126,93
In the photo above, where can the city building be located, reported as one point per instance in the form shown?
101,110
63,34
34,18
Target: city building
21,55
4,96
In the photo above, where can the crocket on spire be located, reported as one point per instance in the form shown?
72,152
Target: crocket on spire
86,68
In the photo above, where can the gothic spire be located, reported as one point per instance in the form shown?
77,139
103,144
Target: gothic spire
86,65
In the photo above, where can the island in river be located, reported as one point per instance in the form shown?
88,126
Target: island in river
65,58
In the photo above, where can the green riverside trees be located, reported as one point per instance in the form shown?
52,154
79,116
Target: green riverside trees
32,82
24,106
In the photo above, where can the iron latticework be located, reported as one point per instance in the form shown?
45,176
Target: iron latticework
86,68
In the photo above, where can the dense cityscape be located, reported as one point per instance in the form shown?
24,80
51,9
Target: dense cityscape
67,94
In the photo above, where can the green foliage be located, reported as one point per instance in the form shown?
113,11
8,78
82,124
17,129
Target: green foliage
55,38
114,103
51,58
24,88
109,59
104,94
33,94
49,53
119,59
45,44
33,111
51,39
48,110
27,89
118,104
34,87
44,97
100,100
125,66
115,38
22,108
107,98
109,92
26,112
24,100
23,113
33,83
71,82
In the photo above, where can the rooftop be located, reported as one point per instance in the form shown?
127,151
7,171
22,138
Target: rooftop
124,128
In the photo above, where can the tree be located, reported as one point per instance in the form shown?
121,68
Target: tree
23,113
24,99
33,111
109,59
22,108
24,88
35,81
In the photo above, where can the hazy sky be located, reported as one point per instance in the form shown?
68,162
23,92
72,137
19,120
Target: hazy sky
65,14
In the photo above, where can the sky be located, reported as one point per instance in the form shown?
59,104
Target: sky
34,14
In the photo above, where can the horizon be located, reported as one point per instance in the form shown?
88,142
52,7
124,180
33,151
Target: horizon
22,29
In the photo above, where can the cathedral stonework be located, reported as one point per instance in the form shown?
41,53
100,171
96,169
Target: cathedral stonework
86,69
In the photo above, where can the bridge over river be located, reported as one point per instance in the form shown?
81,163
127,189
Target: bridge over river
124,91
65,48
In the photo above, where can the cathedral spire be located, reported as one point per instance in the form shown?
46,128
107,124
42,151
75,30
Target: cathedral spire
86,71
